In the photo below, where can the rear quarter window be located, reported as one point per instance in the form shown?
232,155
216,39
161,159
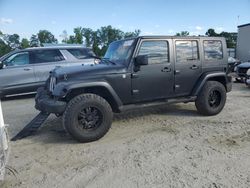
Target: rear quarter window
81,53
212,50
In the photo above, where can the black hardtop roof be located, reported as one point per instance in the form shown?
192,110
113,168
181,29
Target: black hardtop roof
244,25
179,37
173,37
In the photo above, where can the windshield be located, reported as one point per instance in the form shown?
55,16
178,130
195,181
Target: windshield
120,51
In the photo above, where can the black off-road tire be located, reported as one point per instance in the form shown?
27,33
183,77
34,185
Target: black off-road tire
82,102
204,103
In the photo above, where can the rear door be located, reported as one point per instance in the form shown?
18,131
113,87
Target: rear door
17,74
44,61
187,65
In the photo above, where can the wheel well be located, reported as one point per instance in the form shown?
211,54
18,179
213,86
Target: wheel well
101,91
220,79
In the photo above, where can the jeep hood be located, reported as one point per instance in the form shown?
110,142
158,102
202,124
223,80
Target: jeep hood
88,70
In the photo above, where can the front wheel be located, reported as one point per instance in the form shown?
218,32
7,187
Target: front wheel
87,117
211,99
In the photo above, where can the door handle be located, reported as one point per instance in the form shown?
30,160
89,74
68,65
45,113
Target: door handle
27,69
194,67
166,69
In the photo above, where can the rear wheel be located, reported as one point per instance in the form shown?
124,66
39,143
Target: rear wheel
211,99
87,117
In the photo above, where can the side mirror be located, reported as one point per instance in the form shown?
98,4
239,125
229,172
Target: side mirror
141,60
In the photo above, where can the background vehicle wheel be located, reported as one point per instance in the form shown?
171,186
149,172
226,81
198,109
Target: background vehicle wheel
211,98
87,117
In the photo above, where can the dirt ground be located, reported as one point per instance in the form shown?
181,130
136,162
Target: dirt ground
167,146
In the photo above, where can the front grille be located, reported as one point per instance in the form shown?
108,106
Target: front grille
52,83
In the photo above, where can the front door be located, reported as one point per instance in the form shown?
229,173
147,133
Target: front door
17,74
155,80
187,66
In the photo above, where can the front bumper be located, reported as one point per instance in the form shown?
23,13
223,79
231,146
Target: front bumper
46,103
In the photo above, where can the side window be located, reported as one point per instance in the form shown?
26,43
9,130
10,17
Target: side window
212,50
81,53
186,51
157,51
17,59
43,56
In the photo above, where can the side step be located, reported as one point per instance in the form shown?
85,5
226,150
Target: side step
157,103
32,126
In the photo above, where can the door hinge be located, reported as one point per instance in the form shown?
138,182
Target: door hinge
177,86
135,91
177,72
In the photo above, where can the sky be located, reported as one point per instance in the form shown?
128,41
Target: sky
152,17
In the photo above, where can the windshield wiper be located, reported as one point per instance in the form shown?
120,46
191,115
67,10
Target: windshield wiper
107,59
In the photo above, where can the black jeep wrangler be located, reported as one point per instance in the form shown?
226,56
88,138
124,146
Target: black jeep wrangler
136,73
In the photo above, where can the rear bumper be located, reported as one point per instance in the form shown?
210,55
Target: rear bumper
45,103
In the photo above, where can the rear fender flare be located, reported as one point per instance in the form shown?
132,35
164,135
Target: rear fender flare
205,78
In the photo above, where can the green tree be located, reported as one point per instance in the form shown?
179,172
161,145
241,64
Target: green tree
34,41
4,48
71,40
78,35
107,35
136,33
89,36
182,33
100,38
46,36
64,36
24,43
231,38
77,38
211,33
13,41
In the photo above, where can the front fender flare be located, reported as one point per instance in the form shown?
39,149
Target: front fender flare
62,89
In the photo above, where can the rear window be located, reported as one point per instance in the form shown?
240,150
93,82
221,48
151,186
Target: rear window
186,51
43,56
81,53
212,50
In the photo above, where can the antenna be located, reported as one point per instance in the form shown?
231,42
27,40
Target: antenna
238,19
